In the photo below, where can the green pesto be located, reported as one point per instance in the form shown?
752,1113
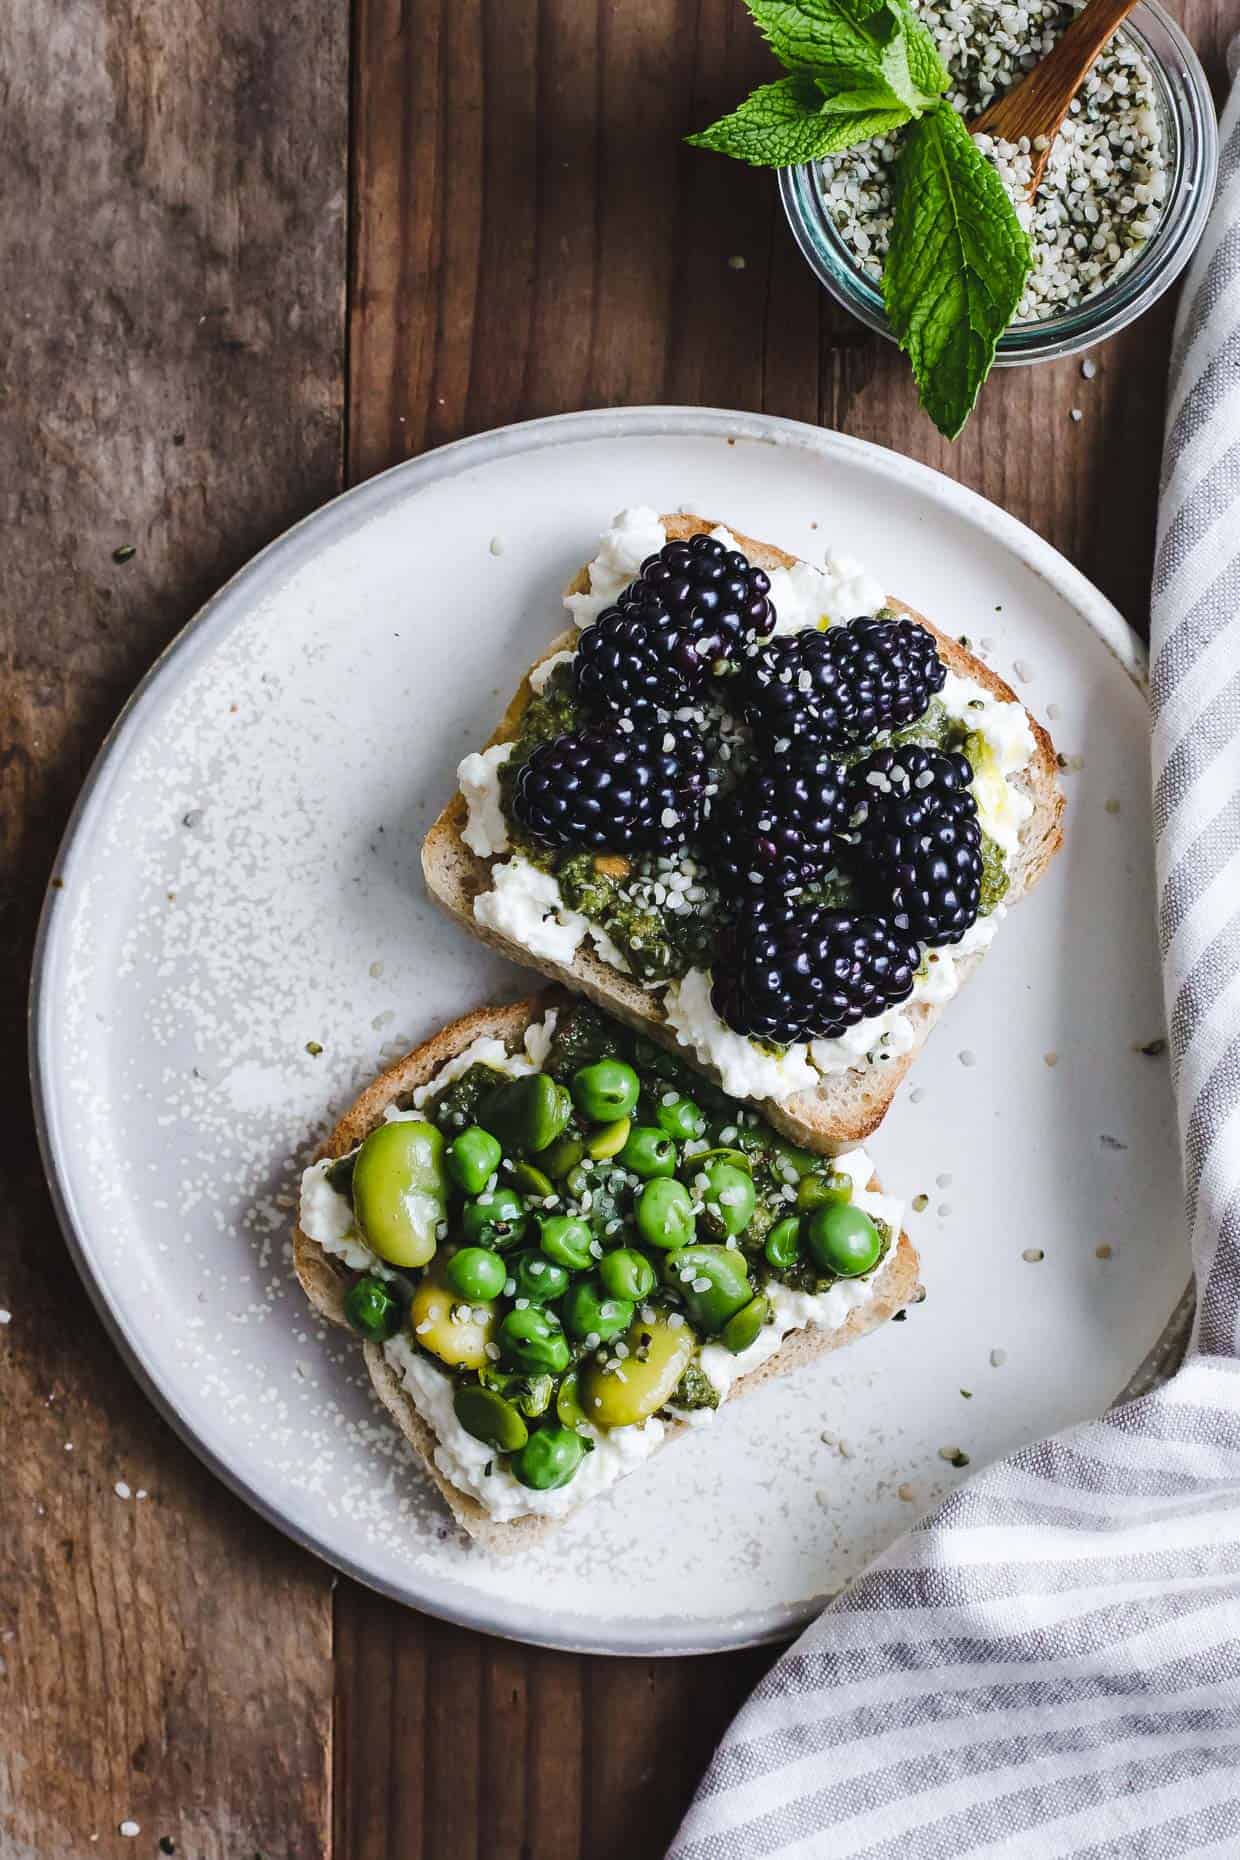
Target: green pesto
995,876
695,1390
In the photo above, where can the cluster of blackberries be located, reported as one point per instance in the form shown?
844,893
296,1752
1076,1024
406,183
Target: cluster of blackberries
901,822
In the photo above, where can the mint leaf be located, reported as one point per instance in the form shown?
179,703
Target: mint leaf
956,265
842,50
787,123
926,68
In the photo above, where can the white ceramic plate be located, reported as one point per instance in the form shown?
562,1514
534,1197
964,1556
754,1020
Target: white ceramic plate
241,884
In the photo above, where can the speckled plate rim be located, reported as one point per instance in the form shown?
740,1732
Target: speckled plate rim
199,636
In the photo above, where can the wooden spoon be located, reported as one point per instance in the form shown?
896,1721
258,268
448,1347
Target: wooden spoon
1038,104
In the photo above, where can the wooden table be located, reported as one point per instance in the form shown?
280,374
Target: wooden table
250,255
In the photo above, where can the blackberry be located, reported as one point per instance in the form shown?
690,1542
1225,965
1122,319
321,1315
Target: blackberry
615,786
914,842
716,588
838,689
775,833
808,972
636,660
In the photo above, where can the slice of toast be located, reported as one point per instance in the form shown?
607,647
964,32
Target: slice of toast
325,1279
849,1106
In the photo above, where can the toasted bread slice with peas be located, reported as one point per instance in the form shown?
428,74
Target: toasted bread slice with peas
561,1250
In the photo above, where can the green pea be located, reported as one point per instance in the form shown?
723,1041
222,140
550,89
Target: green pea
626,1273
372,1309
532,1339
496,1220
789,1164
608,1140
526,1114
844,1241
568,1408
605,1091
712,1281
538,1278
490,1417
729,1198
476,1272
648,1152
473,1158
563,1156
549,1458
745,1325
531,1181
665,1214
590,1311
565,1238
399,1191
821,1191
783,1243
679,1117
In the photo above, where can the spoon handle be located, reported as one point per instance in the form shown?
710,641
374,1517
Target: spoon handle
1038,104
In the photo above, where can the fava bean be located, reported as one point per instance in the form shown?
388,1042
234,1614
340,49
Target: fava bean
659,1354
526,1114
454,1330
818,1191
745,1325
490,1417
568,1408
608,1140
400,1191
783,1243
712,1281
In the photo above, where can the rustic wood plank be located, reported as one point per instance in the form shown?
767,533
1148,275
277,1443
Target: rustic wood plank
531,237
172,334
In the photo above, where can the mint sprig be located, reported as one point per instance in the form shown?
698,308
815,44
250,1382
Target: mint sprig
958,257
956,266
789,122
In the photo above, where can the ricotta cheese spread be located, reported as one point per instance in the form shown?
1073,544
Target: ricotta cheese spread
486,831
525,904
633,536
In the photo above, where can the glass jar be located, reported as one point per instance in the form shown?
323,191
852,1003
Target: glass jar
1190,133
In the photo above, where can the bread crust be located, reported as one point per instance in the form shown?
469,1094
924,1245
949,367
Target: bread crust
844,1111
325,1279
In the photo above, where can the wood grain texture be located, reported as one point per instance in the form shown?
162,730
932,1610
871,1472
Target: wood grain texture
531,236
171,328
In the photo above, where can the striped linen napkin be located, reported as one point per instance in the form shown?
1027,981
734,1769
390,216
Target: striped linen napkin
1049,1666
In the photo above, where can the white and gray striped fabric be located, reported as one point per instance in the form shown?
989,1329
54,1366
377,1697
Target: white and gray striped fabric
1049,1666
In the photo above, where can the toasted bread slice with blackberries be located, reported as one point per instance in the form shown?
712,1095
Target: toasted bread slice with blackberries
848,1106
325,1278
